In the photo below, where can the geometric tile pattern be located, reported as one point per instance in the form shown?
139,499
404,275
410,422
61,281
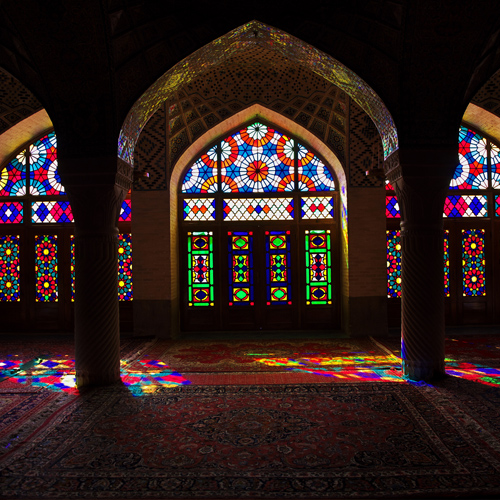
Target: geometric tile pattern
308,99
11,212
126,211
198,209
365,148
151,154
17,102
465,206
317,207
51,211
392,207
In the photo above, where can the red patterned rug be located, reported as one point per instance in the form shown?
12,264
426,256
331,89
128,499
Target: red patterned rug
269,419
371,440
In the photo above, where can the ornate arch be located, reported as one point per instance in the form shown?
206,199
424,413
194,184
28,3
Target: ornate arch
238,41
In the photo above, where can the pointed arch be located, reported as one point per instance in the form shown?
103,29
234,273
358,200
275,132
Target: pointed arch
236,41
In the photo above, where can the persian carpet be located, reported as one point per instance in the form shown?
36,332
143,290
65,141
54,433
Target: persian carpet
373,440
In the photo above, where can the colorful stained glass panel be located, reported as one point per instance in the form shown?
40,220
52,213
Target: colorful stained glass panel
13,177
471,173
11,212
392,207
46,272
495,166
9,269
312,173
393,264
473,263
125,288
497,206
72,267
278,277
198,209
44,177
466,206
202,176
200,268
257,159
317,207
51,211
257,209
240,262
318,267
126,211
446,241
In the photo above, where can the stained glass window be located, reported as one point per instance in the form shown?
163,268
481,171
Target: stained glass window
125,267
257,209
198,209
9,269
473,263
258,159
497,206
126,211
51,211
44,177
202,176
313,175
240,262
388,186
13,177
317,207
72,267
393,264
46,268
446,254
392,207
318,267
495,166
11,212
466,206
471,172
200,268
278,278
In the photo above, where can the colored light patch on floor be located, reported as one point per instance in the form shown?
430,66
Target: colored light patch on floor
360,367
147,375
473,372
58,374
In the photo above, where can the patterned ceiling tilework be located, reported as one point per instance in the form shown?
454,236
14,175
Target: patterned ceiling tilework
151,154
365,149
489,95
244,40
16,102
258,77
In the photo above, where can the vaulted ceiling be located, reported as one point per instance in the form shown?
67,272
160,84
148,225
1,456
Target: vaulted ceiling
86,63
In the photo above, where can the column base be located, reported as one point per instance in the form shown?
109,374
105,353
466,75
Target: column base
423,372
87,379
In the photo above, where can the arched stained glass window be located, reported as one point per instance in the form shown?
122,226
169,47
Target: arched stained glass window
36,245
258,159
259,223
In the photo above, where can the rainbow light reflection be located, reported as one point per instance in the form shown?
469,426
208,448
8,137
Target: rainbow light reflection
58,374
369,368
352,366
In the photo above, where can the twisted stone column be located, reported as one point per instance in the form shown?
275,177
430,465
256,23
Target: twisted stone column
96,200
421,189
